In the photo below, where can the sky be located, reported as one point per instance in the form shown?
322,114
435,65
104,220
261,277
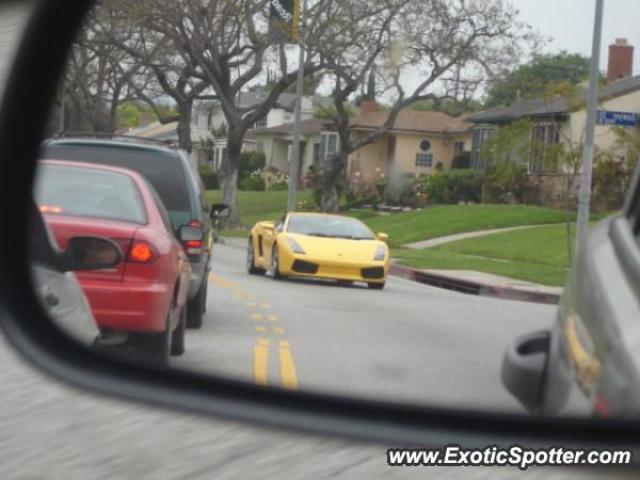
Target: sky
570,24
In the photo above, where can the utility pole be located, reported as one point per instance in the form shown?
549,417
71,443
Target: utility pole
584,195
294,166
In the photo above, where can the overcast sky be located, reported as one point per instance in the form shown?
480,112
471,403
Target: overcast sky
570,23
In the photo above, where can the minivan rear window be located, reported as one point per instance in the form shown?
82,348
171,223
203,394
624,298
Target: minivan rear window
162,170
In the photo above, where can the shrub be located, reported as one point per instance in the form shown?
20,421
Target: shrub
505,182
279,186
452,187
461,161
253,182
209,177
400,192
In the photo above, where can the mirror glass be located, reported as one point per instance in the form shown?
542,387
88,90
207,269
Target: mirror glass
459,135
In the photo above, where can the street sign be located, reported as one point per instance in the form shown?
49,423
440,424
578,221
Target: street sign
622,119
285,19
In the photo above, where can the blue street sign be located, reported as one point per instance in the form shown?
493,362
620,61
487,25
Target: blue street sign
622,119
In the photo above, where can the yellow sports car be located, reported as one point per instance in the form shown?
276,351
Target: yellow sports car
319,245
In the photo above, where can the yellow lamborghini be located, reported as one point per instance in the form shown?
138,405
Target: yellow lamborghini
319,245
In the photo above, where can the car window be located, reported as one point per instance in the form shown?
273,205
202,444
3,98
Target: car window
162,169
329,226
86,192
166,219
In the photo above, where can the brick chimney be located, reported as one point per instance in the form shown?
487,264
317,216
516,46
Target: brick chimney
620,60
369,106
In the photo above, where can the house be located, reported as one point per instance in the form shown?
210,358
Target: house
557,119
208,119
277,142
419,143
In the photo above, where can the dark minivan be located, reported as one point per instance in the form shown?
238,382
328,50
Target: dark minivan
177,183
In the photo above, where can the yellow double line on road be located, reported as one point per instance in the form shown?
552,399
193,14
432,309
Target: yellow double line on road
262,346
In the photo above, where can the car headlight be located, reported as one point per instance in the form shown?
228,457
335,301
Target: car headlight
295,246
380,253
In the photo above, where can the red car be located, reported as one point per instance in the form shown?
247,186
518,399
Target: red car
144,296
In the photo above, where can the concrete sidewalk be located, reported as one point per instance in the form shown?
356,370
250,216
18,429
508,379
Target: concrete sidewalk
434,242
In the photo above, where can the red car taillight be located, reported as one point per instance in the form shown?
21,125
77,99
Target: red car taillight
141,252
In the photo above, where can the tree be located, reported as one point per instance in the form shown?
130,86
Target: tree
97,79
532,79
391,37
228,45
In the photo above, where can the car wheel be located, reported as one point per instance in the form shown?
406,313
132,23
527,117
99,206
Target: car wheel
251,261
177,340
196,307
275,264
375,286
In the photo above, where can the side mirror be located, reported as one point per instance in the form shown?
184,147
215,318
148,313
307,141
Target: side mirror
270,226
219,210
90,253
524,368
383,237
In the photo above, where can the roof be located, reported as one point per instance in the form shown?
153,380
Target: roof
548,107
308,127
156,130
414,121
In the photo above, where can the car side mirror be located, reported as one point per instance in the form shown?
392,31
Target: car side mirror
383,237
524,368
219,210
90,253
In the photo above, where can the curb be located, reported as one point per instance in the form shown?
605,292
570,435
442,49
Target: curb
472,288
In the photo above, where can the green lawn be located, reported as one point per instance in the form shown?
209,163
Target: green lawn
258,206
537,255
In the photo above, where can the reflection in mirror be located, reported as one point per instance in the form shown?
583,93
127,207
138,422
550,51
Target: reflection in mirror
182,114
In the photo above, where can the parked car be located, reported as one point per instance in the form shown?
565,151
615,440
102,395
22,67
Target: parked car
145,295
319,246
177,184
56,284
589,361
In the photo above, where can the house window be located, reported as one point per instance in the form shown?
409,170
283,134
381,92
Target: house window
259,147
328,146
543,137
480,137
424,160
209,119
425,145
458,148
316,153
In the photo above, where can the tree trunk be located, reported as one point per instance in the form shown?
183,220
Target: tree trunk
228,176
332,176
184,125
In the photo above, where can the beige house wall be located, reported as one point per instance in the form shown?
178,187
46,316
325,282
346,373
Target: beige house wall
371,160
605,139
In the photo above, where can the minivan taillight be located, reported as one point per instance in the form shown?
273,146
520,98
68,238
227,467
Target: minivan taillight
141,252
194,248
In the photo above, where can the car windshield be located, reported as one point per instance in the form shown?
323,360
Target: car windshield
329,226
161,169
85,192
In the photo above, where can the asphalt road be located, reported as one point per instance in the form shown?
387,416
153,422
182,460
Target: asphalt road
408,342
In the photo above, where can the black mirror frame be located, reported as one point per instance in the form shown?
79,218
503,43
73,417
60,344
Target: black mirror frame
39,61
